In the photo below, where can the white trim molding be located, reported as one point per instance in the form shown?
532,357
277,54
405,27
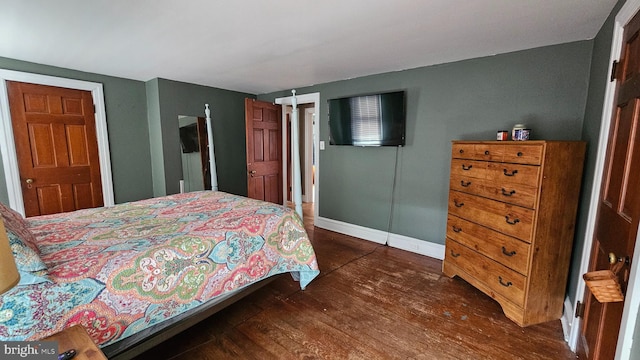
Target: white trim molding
402,242
7,146
309,140
567,318
377,236
417,246
629,315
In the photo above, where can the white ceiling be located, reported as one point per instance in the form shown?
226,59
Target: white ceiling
259,46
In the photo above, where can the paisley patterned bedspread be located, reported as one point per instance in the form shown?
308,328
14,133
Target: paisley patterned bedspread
122,269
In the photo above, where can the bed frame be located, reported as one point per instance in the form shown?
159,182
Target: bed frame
131,347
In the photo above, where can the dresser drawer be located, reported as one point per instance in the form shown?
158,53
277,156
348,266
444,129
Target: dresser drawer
498,278
504,172
518,152
504,249
477,152
513,173
523,154
470,168
463,151
509,219
502,191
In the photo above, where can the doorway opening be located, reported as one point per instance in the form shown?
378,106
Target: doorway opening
309,130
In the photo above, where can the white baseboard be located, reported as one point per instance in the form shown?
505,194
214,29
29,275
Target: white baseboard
567,320
377,236
417,246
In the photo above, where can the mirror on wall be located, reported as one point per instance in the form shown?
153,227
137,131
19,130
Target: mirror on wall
195,154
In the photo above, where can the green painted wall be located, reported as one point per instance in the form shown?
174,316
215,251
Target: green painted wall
168,99
126,125
544,88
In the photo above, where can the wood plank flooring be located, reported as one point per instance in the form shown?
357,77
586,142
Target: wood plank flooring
369,302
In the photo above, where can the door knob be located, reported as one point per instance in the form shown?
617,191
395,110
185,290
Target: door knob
29,181
252,172
613,259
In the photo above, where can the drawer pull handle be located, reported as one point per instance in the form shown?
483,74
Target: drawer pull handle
454,254
465,168
486,152
519,153
510,253
457,204
461,151
508,193
457,229
507,284
506,173
465,184
515,221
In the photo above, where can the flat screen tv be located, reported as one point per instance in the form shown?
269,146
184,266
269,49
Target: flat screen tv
368,120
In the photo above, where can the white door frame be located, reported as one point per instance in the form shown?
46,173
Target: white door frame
7,144
632,301
312,98
309,118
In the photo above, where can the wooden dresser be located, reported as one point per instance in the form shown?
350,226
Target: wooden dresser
512,210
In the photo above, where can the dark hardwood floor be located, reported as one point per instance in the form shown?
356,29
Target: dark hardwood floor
369,302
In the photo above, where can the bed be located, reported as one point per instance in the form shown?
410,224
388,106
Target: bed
136,273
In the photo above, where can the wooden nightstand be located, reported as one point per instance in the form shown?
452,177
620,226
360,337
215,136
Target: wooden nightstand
76,337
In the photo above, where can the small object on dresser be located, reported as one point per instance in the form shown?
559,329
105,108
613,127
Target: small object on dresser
502,135
515,132
523,134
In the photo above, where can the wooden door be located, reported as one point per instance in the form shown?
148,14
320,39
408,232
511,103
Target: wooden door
57,148
264,150
619,207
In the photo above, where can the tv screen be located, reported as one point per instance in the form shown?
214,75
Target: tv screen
368,120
